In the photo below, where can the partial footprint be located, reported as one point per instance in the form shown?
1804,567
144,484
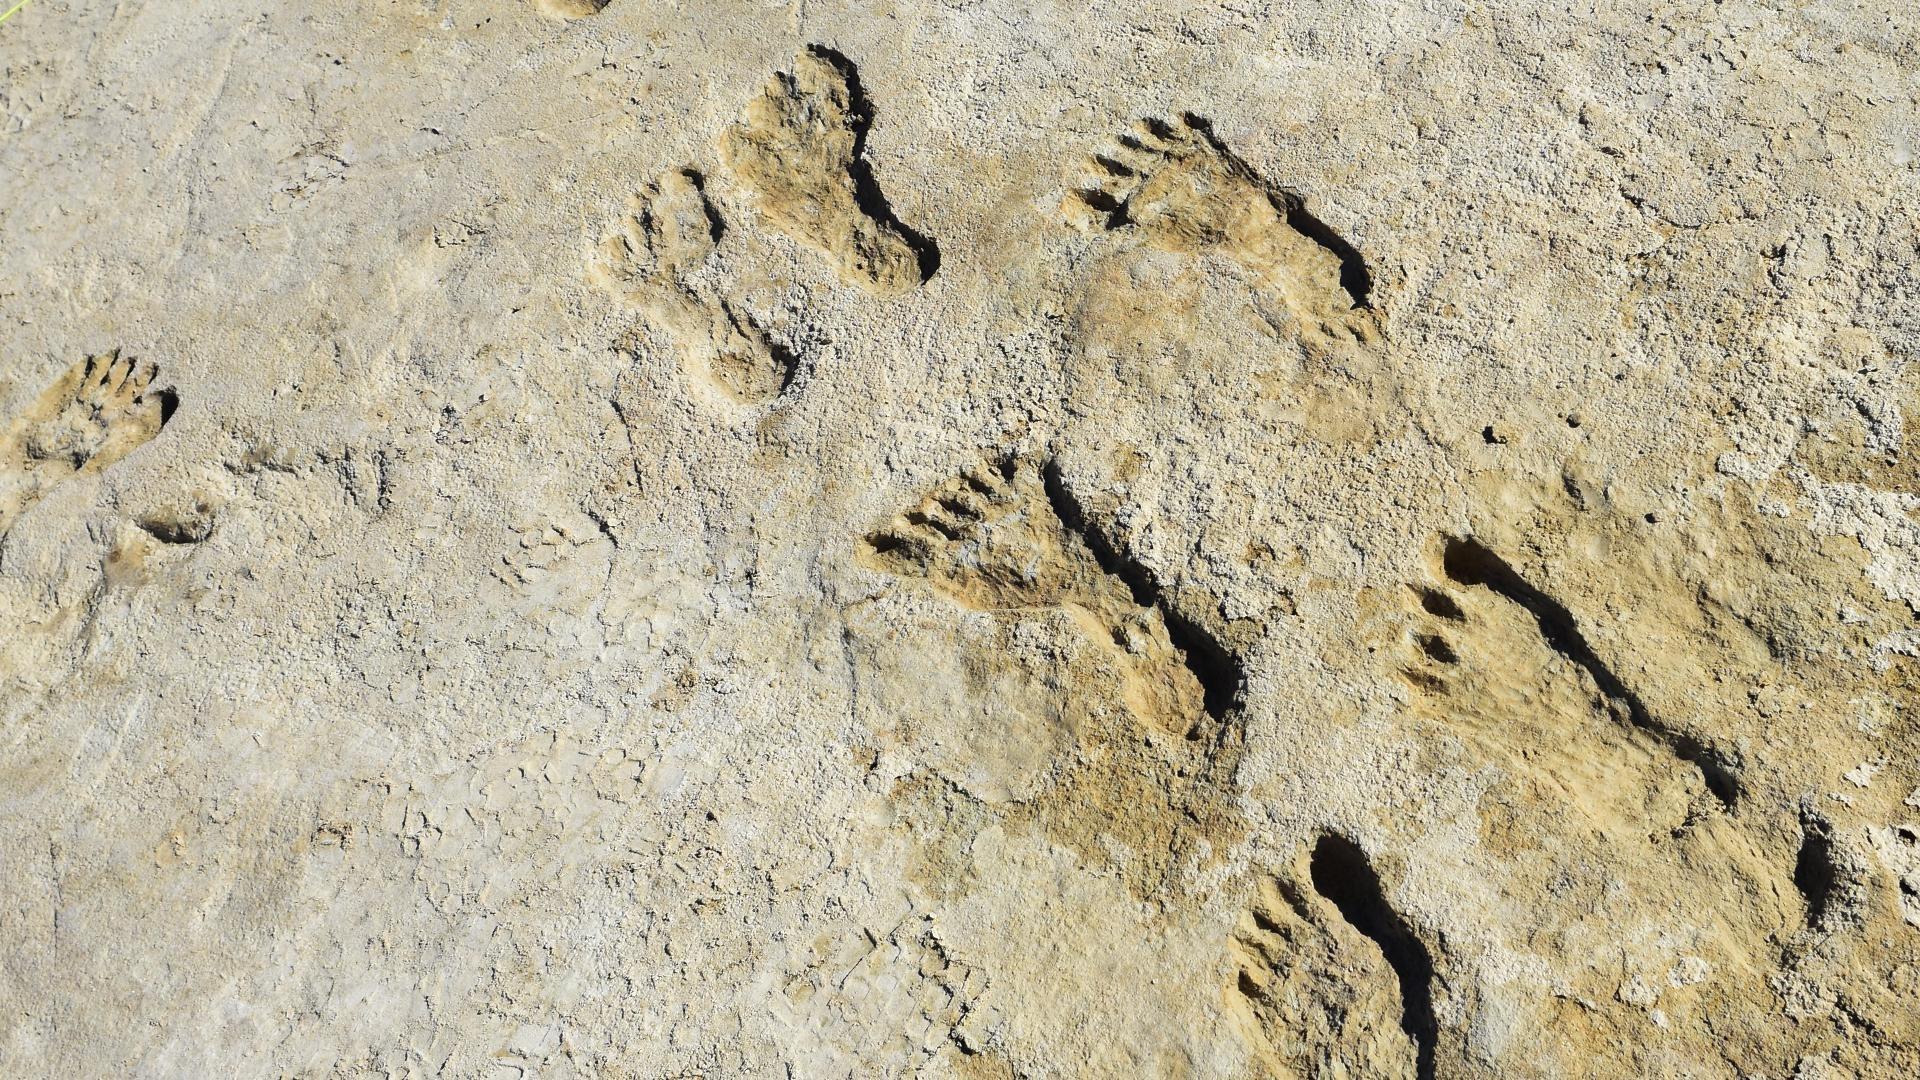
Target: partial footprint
1082,704
99,411
799,150
1328,979
1183,191
646,262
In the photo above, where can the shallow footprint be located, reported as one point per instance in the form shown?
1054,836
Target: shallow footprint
1183,191
98,412
646,260
798,149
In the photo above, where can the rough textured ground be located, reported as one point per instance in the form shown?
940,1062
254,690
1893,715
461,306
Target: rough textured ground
574,538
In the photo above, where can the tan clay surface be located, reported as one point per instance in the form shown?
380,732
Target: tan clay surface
949,538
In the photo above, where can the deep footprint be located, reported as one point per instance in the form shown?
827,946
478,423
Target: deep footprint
1328,979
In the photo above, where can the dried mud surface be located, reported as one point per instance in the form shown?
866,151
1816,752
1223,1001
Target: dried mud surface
945,538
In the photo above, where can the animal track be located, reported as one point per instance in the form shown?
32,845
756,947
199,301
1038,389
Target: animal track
1181,190
1328,978
1141,728
1537,694
646,261
98,412
799,148
557,557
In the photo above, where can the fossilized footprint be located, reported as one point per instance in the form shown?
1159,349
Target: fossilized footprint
1182,191
995,539
1600,811
798,149
1133,709
1508,668
646,261
98,412
1328,979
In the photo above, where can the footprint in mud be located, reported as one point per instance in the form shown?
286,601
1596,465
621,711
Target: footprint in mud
1600,813
1007,537
1328,979
98,412
1179,189
1507,667
1113,726
647,261
800,150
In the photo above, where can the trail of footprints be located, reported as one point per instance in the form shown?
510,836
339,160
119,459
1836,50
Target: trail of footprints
99,411
798,152
1327,978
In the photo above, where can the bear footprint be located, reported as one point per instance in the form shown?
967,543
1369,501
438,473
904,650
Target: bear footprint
646,261
98,412
799,149
1182,190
